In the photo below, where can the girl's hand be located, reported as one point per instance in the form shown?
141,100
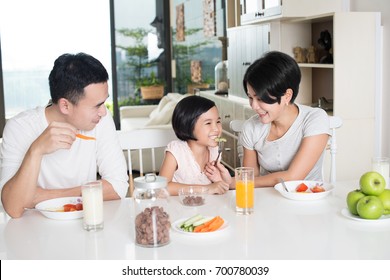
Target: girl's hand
218,188
212,172
224,173
217,172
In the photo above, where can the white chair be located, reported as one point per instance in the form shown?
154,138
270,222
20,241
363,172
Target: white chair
236,127
144,140
334,123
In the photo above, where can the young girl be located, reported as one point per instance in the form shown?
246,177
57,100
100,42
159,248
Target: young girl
191,160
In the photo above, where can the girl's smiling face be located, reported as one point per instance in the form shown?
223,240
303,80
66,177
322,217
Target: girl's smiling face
208,127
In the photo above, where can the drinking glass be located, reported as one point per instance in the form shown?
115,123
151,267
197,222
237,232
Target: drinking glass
382,166
92,194
245,190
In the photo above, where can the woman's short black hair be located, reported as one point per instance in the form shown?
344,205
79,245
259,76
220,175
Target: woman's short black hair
271,75
186,113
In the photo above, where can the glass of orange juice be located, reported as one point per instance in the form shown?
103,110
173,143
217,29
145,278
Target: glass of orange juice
245,190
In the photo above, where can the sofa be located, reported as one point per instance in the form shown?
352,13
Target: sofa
149,116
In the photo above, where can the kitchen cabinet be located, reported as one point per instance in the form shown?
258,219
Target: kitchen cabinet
255,11
352,80
246,44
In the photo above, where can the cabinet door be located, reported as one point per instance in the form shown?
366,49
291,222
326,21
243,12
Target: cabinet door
246,44
357,90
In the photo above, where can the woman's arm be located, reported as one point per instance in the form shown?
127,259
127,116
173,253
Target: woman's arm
305,159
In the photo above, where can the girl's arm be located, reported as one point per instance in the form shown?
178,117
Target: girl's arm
169,167
308,154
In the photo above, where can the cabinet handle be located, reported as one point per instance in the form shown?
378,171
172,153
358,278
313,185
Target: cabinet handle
228,149
258,14
227,116
246,63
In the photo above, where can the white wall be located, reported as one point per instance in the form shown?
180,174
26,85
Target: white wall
382,6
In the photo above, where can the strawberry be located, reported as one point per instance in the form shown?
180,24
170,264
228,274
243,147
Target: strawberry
301,188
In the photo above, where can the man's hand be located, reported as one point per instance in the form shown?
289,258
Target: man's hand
57,135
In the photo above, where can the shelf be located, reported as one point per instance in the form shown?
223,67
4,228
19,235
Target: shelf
315,65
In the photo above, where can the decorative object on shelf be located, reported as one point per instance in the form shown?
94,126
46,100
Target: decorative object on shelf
180,34
311,55
209,25
221,78
196,77
196,71
324,103
299,54
325,42
194,88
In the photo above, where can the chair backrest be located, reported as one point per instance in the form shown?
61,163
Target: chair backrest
236,127
334,123
143,140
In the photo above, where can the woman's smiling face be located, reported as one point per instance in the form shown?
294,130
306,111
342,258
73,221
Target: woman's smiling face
267,112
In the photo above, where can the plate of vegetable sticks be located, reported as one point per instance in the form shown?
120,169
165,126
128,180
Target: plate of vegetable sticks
199,225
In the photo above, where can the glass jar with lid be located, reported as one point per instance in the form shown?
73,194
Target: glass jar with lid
152,222
221,78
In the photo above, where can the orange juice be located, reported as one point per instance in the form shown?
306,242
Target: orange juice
245,194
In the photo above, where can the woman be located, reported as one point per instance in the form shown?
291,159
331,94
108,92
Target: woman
284,139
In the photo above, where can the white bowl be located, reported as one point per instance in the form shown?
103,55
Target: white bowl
292,194
46,206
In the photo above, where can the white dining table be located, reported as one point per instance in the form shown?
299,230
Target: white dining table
279,229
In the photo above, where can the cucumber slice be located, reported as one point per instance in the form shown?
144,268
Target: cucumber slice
192,220
202,221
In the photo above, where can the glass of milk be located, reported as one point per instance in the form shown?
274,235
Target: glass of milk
92,194
382,166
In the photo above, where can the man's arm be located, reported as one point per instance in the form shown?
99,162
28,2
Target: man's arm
21,190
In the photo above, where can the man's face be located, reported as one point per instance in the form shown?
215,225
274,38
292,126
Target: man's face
90,109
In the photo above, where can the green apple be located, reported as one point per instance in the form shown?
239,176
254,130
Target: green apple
372,183
352,200
370,207
385,198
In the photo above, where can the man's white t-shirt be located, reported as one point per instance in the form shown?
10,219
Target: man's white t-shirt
65,168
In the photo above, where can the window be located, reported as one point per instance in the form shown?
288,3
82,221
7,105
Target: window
34,33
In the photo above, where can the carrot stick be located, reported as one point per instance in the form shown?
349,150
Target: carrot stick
205,225
81,136
216,225
198,228
210,222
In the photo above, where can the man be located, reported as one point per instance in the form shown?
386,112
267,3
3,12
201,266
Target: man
44,153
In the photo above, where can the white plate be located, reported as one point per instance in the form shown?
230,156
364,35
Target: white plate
345,212
58,203
292,194
176,227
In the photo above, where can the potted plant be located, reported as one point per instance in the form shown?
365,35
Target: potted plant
151,87
143,75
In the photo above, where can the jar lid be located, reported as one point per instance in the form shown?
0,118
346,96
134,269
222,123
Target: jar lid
150,181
